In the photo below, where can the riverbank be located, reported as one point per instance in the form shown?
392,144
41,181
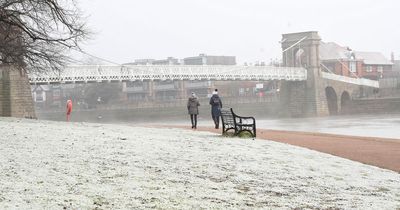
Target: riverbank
49,165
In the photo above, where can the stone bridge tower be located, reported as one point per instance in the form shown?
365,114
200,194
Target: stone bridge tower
15,93
302,98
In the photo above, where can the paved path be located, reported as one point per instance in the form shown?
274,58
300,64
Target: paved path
381,152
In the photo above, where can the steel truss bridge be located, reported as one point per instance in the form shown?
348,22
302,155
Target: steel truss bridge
96,73
121,73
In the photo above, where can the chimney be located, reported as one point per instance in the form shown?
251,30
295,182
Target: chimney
392,57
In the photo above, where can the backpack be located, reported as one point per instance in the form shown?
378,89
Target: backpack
216,101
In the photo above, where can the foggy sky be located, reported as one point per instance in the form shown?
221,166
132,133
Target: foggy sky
249,29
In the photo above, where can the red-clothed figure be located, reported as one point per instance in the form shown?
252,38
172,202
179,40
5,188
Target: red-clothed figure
69,109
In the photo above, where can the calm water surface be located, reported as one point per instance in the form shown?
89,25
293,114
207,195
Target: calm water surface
387,126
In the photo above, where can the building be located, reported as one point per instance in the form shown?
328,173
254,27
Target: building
47,96
344,61
204,88
40,93
147,61
396,66
204,59
168,61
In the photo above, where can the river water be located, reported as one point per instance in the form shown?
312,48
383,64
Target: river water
386,126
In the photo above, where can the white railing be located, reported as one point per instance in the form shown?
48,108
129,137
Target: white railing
357,81
72,74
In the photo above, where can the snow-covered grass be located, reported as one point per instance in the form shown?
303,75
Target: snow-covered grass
55,165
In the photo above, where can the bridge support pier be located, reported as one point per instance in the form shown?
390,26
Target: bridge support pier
183,91
292,99
15,94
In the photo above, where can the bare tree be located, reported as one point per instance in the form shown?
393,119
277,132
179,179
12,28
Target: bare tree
35,35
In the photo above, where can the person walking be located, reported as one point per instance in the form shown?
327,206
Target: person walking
216,105
193,109
69,109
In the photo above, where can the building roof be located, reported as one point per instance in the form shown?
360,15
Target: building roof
372,58
333,51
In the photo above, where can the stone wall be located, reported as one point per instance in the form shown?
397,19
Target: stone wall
15,94
375,106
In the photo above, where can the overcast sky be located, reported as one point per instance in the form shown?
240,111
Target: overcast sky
248,29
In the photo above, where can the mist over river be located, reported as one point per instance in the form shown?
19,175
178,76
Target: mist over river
378,125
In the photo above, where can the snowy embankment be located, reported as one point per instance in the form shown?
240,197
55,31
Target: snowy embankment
55,165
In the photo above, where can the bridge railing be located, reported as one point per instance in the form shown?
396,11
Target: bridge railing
72,74
357,81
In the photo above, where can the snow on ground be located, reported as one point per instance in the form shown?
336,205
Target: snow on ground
55,165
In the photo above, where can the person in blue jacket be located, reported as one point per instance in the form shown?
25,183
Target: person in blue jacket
216,105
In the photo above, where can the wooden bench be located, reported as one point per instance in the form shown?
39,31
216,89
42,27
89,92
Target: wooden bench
231,121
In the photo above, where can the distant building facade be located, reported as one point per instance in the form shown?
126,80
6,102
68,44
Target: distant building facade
141,62
204,59
344,61
49,96
396,65
168,61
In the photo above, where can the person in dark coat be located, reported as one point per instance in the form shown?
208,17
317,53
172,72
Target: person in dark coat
193,109
216,105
